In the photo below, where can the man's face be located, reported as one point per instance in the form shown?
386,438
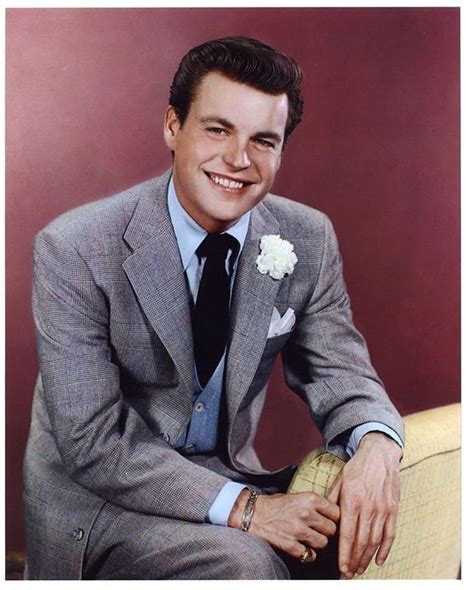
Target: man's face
228,150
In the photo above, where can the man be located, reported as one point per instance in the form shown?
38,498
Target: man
159,314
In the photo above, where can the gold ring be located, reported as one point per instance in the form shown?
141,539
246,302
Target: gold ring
305,555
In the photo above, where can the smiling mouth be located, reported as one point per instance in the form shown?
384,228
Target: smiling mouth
227,183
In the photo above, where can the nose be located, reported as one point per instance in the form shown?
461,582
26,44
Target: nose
236,155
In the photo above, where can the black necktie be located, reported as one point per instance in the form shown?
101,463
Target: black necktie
211,312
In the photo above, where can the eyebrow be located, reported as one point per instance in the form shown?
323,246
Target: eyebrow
225,123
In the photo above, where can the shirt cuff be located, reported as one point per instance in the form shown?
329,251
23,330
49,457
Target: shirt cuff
360,431
221,507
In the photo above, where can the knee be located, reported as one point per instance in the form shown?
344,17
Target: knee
247,558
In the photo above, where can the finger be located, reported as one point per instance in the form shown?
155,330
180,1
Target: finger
322,525
388,538
327,508
374,543
313,539
298,551
334,490
347,532
361,540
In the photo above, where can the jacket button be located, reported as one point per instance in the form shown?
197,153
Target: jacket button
165,437
78,534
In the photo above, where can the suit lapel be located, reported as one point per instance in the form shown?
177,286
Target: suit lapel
251,311
155,272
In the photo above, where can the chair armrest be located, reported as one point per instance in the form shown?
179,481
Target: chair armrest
316,473
428,538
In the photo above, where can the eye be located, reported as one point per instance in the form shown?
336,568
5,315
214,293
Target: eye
216,130
264,143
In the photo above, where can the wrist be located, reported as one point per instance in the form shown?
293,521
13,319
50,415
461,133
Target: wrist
379,440
237,512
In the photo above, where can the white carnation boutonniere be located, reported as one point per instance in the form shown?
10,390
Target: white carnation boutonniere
276,257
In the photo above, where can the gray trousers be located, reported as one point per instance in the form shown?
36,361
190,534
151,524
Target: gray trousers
126,545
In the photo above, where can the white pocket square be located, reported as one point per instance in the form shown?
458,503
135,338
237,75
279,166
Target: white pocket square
281,324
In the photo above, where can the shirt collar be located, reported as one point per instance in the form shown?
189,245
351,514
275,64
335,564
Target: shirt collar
190,234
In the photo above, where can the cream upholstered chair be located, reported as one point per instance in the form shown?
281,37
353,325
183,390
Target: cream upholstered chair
428,537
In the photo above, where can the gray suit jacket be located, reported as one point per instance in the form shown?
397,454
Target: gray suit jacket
115,392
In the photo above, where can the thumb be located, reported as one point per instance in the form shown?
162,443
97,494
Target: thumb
334,490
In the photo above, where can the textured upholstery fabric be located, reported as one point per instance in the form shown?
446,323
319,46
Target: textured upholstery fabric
428,539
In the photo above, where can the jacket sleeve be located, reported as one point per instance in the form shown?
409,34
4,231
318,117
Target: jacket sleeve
105,445
326,360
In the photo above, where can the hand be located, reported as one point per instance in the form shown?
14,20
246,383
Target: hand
367,490
290,522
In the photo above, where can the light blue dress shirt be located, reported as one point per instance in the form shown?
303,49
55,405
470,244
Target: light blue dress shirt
189,236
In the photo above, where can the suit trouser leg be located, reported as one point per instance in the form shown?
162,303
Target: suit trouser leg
129,545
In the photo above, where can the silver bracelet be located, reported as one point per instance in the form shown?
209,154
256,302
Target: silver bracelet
249,510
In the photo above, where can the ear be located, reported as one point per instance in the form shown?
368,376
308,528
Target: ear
171,127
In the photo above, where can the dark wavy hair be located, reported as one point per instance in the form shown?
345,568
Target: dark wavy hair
244,60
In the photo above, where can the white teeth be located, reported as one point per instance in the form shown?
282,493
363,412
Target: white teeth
226,183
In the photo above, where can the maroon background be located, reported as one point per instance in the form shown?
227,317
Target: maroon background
378,151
